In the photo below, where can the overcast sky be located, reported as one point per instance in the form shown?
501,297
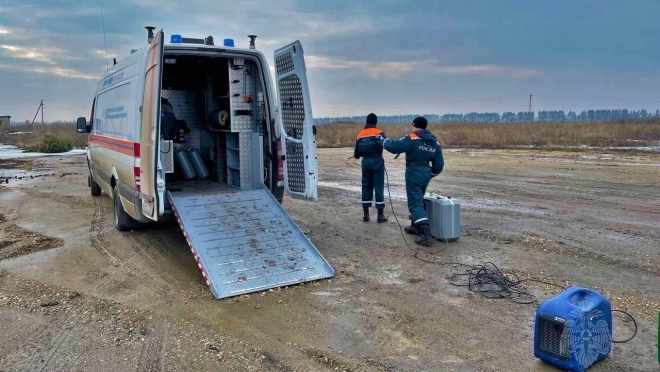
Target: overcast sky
385,56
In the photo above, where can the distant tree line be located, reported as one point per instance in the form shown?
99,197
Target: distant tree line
506,117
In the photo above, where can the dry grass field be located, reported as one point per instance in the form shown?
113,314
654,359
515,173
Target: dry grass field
546,135
507,135
30,137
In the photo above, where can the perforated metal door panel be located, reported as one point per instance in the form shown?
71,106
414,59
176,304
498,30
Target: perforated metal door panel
284,64
244,241
293,118
296,123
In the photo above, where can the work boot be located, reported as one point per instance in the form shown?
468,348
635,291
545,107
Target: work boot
412,229
365,218
425,237
381,216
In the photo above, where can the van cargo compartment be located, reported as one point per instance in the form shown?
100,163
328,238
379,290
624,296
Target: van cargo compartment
243,241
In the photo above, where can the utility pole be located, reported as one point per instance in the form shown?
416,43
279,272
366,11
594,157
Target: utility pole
529,113
41,107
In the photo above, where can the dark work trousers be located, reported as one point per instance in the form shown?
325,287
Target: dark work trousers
417,180
373,181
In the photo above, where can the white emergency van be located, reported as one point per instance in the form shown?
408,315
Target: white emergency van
196,132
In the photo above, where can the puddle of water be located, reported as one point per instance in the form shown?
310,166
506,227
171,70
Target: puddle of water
399,194
498,204
13,152
323,293
9,175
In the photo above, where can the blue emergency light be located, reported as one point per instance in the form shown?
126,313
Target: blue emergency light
229,42
176,39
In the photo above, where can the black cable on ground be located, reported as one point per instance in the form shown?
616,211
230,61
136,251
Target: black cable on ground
488,280
634,322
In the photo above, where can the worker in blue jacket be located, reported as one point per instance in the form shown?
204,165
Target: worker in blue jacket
423,161
370,149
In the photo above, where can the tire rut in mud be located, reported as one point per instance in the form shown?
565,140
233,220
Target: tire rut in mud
152,356
149,254
97,239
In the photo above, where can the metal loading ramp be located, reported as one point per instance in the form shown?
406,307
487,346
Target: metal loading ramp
244,241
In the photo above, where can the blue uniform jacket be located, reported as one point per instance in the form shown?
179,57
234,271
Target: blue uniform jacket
423,156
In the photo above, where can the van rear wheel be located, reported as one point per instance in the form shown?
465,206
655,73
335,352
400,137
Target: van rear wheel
121,219
94,187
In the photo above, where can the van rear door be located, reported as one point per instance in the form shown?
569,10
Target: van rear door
296,123
152,198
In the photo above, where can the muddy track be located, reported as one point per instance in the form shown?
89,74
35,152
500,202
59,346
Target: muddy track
16,241
98,241
383,310
73,202
151,256
59,339
152,355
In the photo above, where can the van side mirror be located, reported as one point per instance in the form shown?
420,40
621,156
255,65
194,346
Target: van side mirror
81,125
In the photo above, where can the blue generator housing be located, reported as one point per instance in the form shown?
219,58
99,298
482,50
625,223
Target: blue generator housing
573,330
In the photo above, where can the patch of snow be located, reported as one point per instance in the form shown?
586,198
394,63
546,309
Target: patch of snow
13,152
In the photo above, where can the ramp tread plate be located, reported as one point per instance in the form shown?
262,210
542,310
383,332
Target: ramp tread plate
243,241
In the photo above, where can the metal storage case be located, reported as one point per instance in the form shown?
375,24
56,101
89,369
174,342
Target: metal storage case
444,216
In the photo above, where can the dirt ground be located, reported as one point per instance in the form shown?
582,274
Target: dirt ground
77,295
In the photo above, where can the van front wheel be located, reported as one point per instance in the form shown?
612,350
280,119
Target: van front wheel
121,219
94,187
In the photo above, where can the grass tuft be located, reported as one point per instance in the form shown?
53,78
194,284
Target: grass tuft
53,137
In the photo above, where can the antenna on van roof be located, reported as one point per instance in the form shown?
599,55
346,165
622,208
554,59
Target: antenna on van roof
150,33
105,43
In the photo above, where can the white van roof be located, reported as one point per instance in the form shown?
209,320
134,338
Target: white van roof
136,56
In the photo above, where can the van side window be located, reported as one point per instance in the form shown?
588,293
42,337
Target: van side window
114,112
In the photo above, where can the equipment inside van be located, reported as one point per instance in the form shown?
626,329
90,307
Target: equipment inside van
194,132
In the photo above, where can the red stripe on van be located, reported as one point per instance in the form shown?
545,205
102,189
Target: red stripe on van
115,144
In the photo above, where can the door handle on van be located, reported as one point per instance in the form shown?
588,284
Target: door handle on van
276,157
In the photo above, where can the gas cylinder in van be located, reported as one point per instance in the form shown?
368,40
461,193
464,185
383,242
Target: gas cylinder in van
197,163
187,172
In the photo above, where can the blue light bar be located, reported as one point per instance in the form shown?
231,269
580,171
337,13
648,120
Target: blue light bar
176,39
229,42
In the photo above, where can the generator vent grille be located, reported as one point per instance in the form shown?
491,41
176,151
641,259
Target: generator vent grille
553,338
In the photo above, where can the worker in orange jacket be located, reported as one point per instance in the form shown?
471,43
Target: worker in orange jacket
370,150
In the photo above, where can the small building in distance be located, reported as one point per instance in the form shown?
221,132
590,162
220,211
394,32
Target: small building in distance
5,122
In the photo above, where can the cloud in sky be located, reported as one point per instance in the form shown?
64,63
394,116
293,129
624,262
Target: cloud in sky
394,56
390,69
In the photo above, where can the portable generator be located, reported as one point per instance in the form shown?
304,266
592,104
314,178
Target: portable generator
573,330
444,217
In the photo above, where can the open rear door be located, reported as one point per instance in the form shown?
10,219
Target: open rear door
150,110
296,123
